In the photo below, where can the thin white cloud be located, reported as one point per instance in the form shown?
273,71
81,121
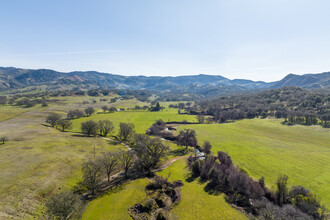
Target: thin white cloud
68,52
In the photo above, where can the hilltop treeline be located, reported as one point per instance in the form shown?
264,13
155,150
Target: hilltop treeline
295,105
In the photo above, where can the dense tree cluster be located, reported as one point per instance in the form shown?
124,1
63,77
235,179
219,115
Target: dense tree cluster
156,108
295,105
157,128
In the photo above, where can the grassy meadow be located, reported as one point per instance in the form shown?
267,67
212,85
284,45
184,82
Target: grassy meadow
141,119
37,161
8,112
114,204
40,161
268,148
195,202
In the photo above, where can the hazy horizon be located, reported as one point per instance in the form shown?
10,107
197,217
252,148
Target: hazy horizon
256,40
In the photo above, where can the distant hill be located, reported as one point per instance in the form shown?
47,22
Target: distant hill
13,78
206,85
308,81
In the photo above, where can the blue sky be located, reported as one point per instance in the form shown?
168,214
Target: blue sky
251,39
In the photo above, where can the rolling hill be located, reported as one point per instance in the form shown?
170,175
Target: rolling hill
206,85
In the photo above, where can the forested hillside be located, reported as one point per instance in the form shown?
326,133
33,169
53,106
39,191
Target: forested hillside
194,86
294,104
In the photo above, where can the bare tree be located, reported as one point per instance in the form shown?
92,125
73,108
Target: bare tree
105,127
91,175
53,118
125,131
109,162
64,124
126,161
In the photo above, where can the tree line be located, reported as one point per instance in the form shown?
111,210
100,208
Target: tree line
222,176
143,157
295,105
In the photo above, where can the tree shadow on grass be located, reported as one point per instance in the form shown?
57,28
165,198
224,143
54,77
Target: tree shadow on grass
114,186
114,143
191,178
180,152
80,135
212,189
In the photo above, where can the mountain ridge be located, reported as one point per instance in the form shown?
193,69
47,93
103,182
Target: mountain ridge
17,78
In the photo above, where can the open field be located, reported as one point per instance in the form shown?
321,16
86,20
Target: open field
8,112
195,202
37,161
267,148
41,161
141,119
114,204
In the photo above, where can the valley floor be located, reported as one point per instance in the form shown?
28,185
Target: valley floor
39,161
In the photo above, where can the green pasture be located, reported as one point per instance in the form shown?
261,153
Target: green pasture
267,148
114,204
195,202
141,119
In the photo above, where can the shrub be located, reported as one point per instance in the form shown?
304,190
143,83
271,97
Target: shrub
306,201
